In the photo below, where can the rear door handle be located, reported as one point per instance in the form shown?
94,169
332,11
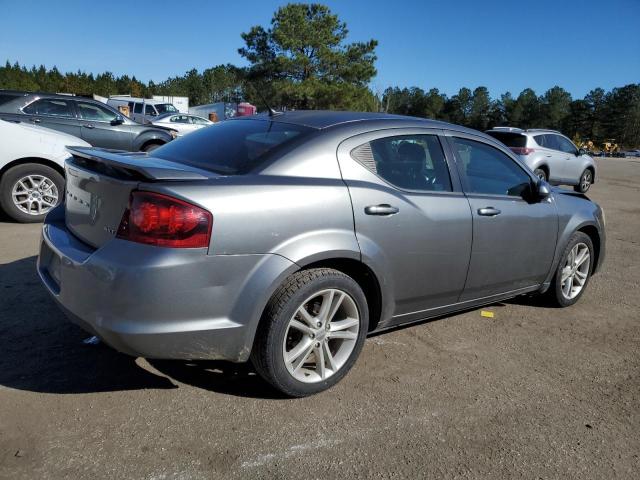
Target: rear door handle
90,125
382,209
489,212
36,120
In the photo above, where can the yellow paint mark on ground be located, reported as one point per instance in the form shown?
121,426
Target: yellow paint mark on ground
486,314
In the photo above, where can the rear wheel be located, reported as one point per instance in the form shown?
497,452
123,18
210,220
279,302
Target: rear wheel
29,191
573,272
151,147
540,173
312,332
586,179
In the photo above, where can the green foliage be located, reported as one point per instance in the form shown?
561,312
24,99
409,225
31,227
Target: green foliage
599,116
302,61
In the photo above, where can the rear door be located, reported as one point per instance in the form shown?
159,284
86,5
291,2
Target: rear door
99,127
54,113
514,237
412,220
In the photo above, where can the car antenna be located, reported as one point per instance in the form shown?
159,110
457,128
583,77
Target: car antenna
272,112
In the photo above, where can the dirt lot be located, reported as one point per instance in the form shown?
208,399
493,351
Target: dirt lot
534,392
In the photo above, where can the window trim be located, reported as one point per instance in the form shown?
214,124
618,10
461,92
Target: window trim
72,107
463,178
349,144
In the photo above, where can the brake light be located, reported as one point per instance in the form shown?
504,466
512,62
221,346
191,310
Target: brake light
165,221
522,150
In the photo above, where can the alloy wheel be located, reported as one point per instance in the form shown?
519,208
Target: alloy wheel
585,181
321,336
575,271
34,194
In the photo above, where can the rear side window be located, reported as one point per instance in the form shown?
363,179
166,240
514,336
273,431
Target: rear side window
409,162
137,108
233,146
49,106
541,140
510,139
487,170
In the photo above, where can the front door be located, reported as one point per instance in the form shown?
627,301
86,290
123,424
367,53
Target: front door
514,236
100,129
411,218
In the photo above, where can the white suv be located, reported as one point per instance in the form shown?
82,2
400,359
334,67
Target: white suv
550,155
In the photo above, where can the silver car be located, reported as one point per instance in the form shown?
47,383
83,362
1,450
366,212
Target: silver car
287,239
550,155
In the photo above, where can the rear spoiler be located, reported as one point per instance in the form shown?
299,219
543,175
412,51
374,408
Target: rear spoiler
147,166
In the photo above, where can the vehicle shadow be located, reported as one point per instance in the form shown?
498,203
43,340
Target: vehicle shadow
41,351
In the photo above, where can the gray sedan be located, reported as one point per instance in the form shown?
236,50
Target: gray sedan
286,239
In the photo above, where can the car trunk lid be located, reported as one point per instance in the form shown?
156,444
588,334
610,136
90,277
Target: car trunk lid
99,183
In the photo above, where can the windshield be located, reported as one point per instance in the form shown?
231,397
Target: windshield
231,147
165,108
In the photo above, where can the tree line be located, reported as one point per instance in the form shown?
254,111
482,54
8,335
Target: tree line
302,60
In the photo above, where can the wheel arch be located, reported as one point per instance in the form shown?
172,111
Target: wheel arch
39,160
363,275
592,232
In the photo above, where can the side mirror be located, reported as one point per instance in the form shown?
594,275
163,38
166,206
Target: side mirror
119,120
581,151
543,189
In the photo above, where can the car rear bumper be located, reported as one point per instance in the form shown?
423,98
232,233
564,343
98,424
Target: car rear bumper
158,302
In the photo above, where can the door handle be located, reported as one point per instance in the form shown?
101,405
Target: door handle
382,209
90,125
35,120
489,212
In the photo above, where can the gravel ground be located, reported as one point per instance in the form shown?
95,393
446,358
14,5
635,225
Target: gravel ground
534,392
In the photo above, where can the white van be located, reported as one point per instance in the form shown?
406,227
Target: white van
142,110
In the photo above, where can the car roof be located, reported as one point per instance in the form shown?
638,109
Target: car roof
323,119
521,131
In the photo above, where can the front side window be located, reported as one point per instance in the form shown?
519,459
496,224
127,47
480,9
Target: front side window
565,145
198,121
91,111
50,106
487,170
166,108
409,162
149,110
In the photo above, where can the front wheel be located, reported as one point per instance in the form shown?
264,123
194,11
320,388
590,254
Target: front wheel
586,179
312,332
573,272
541,174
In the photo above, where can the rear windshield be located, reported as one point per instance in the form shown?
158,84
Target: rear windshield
232,146
510,139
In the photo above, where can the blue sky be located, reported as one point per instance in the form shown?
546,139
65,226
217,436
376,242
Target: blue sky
503,45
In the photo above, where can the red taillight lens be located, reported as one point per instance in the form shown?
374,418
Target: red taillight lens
165,221
522,150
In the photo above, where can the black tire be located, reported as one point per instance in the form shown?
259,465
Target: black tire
11,178
541,174
554,294
267,354
151,147
586,180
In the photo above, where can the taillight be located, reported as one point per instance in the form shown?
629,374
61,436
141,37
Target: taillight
522,150
165,221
